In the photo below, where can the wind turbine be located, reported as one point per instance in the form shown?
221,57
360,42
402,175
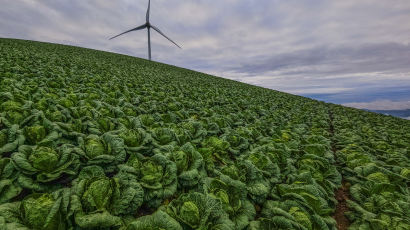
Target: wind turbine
148,26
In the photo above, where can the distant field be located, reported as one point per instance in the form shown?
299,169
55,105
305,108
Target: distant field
397,113
96,140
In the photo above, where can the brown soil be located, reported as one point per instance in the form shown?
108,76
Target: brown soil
21,196
342,195
258,210
145,211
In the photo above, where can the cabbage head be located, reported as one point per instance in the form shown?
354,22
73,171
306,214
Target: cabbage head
215,150
40,164
355,156
106,151
9,188
307,196
379,204
128,123
35,134
257,185
40,211
195,130
101,125
43,103
290,213
170,118
324,173
182,135
129,111
199,211
65,102
40,131
232,194
283,215
13,111
232,171
251,133
264,164
160,220
85,112
72,131
146,120
135,140
405,172
100,201
156,174
11,137
55,115
190,165
316,149
384,218
163,136
238,145
105,124
378,177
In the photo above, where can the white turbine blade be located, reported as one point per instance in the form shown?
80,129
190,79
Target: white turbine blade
149,6
136,28
159,31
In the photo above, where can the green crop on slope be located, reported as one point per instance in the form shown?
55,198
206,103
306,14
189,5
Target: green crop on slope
95,140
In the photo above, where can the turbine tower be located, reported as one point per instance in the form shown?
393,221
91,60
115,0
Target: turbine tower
148,26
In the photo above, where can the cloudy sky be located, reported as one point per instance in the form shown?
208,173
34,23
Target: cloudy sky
353,52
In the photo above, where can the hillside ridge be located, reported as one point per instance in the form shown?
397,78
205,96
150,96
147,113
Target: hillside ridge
92,139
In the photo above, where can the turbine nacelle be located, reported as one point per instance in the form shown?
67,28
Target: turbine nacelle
148,26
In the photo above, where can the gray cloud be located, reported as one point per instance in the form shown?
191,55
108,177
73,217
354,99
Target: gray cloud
380,105
309,47
365,58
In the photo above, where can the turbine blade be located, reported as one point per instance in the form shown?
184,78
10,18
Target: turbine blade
149,6
136,28
159,31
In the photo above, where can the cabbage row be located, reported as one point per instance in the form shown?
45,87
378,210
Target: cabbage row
374,154
93,140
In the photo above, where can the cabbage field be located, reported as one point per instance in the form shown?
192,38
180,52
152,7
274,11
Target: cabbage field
96,140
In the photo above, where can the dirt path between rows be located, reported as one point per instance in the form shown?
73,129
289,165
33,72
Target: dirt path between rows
342,194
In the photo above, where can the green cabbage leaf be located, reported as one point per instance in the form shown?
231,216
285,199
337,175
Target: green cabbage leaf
42,211
9,188
46,164
156,174
106,151
190,165
11,137
233,196
160,220
199,211
99,201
